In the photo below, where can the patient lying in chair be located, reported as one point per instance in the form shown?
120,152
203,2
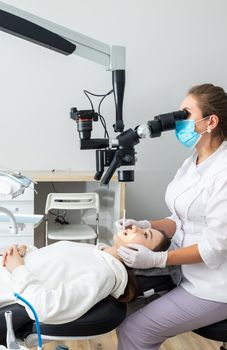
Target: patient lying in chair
65,279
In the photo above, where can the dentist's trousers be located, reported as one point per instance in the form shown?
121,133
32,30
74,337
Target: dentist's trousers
175,312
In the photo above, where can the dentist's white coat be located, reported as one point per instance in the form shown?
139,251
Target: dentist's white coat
197,199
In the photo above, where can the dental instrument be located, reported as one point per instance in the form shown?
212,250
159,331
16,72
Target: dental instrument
124,213
12,185
11,341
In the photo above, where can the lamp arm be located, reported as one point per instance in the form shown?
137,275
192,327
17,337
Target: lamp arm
13,227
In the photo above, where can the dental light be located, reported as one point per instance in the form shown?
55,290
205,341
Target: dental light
12,184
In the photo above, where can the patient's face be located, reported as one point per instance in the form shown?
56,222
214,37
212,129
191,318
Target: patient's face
150,238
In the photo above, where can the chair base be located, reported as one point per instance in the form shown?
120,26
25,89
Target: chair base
216,331
102,318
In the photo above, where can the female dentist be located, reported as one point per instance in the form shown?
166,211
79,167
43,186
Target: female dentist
197,199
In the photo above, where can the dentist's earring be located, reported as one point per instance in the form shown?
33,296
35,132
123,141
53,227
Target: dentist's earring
209,130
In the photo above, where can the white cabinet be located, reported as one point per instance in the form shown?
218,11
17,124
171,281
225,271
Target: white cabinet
112,197
23,204
112,203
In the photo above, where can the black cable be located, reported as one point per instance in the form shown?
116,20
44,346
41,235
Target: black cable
86,93
58,217
54,187
50,212
103,122
102,119
98,95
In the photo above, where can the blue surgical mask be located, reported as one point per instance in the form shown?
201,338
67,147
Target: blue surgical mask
186,133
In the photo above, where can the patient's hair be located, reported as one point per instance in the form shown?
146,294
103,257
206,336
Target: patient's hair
164,244
132,287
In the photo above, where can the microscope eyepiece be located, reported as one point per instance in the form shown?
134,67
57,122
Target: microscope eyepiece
165,122
180,115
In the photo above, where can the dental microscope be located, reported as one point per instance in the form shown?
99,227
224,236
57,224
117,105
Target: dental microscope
118,153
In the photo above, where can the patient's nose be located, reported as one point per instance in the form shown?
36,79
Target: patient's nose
137,229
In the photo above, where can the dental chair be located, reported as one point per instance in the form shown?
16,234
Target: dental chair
108,315
100,319
216,331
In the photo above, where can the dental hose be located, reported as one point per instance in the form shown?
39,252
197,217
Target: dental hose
40,344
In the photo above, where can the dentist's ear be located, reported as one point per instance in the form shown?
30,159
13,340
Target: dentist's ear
213,122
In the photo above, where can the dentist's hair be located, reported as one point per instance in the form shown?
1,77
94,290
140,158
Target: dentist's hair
212,100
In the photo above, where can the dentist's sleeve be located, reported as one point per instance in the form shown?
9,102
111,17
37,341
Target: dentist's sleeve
213,245
68,301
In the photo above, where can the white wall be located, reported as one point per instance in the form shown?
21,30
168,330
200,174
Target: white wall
171,45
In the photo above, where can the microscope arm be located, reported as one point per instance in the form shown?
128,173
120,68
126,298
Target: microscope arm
58,38
66,41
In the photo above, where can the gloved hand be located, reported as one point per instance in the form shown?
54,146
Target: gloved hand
141,257
131,222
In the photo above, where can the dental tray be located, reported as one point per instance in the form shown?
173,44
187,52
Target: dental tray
26,219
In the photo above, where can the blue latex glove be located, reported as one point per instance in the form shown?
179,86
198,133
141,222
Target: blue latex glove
140,257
